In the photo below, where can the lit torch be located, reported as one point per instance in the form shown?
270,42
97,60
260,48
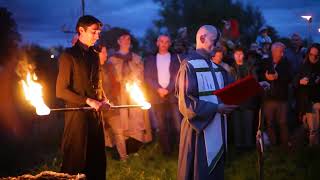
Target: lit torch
33,93
137,95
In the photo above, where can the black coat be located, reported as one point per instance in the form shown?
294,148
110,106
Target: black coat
279,87
83,139
310,93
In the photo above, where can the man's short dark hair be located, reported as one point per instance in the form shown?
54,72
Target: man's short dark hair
86,21
238,48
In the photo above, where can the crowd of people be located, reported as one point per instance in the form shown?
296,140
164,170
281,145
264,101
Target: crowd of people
179,86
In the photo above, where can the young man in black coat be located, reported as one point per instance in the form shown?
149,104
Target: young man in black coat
79,84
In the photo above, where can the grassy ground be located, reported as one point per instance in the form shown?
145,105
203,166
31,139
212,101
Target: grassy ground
147,164
301,164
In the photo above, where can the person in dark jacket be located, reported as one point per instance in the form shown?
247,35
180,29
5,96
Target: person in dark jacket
160,73
78,84
243,117
307,82
275,104
295,52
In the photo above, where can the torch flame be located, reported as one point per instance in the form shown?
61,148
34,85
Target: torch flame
137,95
33,93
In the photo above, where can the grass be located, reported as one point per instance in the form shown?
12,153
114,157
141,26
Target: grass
300,164
149,164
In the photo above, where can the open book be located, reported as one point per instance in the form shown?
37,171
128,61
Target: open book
239,91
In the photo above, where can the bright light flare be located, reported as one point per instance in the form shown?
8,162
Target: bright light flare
307,17
33,93
137,95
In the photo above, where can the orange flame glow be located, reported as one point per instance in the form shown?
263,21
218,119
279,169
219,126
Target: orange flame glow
33,93
137,95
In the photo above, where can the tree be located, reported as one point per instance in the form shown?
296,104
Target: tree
194,13
149,42
8,34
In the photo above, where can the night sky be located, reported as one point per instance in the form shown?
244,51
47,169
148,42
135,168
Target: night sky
41,21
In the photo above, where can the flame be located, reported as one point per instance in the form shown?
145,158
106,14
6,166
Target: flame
137,95
33,93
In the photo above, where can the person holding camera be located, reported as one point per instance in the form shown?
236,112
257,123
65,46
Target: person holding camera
307,83
275,104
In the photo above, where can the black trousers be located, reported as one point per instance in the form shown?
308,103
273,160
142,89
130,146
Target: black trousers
168,120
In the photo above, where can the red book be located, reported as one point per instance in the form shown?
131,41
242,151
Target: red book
239,91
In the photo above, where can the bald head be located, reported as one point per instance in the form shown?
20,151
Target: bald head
206,36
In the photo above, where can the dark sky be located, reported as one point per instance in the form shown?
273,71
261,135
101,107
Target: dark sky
41,21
